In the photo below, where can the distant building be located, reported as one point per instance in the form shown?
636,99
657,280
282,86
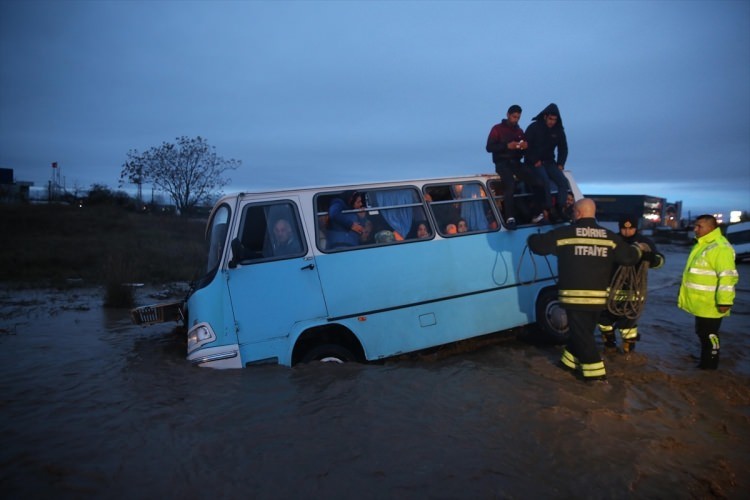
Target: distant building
652,210
12,191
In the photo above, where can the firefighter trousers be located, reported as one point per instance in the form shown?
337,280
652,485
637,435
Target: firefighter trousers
581,352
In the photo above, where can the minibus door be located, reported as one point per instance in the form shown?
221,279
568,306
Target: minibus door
272,277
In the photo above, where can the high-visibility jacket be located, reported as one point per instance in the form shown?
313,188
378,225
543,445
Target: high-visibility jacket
709,277
586,254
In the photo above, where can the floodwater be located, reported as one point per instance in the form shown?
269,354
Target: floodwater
92,406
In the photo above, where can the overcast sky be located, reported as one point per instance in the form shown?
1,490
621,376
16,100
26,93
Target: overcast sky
653,95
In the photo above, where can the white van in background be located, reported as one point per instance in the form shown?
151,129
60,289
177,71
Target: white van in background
739,236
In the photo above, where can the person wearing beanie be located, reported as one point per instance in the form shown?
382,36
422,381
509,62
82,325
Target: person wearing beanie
545,135
610,322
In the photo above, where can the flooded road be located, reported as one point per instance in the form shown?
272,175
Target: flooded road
94,407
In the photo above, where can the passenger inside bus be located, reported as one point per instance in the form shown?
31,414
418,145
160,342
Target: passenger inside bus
462,226
366,237
423,230
284,241
344,222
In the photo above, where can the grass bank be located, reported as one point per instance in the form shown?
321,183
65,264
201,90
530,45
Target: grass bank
50,245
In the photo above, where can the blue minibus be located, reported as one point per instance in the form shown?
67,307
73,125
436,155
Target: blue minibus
364,272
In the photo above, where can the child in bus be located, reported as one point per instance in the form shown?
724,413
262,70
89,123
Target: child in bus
462,226
423,230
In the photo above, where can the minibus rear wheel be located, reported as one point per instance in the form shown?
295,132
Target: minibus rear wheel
551,318
329,353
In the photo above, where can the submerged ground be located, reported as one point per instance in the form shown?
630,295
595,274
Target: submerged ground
94,406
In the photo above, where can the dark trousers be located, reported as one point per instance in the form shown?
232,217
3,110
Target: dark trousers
508,170
581,343
707,330
550,173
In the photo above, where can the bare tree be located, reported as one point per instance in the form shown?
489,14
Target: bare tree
189,171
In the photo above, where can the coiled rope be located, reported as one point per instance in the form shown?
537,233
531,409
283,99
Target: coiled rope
627,291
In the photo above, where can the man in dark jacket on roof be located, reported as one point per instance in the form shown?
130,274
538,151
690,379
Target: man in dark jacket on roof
586,254
544,135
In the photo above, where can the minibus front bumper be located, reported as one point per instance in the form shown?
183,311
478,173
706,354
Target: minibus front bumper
224,356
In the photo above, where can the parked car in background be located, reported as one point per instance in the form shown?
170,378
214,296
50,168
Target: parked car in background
739,236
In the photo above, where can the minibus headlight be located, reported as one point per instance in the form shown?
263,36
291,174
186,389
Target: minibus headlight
199,335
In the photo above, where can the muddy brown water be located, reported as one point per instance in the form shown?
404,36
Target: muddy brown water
92,406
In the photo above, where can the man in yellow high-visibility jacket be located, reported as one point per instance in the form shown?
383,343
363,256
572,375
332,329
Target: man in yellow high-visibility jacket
707,289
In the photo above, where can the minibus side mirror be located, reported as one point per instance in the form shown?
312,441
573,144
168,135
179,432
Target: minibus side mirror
238,250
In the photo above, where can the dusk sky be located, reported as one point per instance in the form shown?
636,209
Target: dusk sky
654,96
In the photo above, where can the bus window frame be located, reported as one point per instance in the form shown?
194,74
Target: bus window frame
451,187
298,229
371,211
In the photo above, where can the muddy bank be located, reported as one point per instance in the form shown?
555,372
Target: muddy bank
93,406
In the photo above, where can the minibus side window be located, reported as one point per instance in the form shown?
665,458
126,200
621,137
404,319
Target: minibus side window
461,208
270,232
387,216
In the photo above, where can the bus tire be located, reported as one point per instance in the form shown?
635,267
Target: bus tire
329,353
551,319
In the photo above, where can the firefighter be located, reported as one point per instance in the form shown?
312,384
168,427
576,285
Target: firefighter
707,289
628,323
586,254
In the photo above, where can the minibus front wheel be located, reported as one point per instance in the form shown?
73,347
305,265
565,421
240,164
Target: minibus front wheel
551,318
329,353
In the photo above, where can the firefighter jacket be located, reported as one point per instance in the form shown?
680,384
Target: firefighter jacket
709,277
586,254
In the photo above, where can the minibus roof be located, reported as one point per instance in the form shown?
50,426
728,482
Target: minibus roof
360,184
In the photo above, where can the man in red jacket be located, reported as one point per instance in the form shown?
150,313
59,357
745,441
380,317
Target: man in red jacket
507,144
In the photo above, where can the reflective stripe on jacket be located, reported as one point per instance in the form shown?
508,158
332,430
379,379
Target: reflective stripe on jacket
709,277
586,254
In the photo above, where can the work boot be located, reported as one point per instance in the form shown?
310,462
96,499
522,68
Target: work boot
602,379
710,353
628,346
609,341
711,363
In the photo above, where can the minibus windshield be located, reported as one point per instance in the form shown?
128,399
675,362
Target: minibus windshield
216,237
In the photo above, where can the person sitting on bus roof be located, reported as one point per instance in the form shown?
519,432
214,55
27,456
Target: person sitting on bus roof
545,135
507,143
284,242
344,229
